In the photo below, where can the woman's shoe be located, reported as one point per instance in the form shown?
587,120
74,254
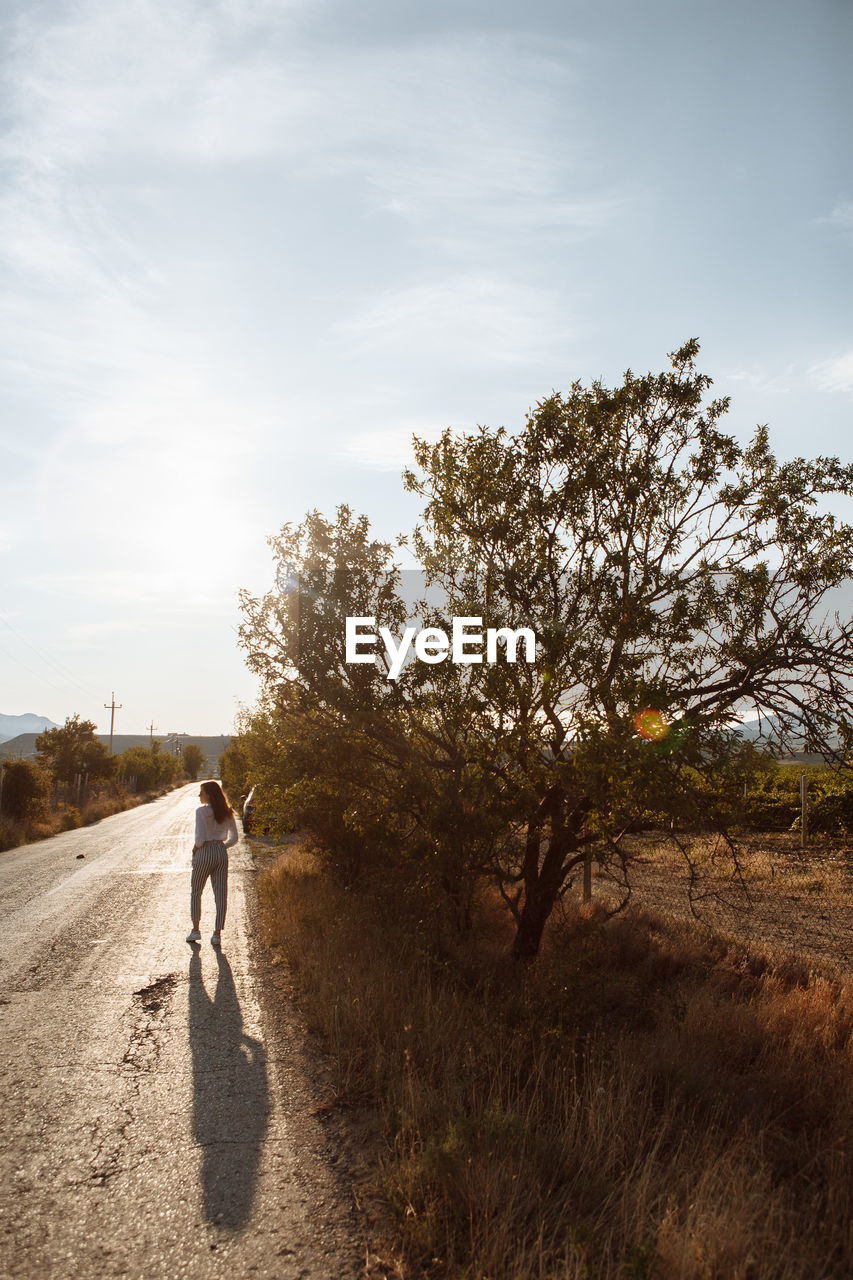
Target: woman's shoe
215,940
194,936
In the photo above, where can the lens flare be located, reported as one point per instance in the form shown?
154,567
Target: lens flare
651,725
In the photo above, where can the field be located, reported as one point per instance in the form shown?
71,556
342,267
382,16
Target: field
770,894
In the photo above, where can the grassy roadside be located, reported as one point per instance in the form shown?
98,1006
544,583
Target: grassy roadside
641,1103
67,817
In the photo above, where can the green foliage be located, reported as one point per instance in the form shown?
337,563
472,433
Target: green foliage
147,768
74,749
193,758
234,769
26,787
309,778
830,803
663,566
376,771
773,803
669,574
830,812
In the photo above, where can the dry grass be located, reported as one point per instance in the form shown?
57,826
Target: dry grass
641,1103
774,896
65,817
771,858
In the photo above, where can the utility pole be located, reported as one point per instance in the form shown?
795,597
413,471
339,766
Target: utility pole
152,727
112,708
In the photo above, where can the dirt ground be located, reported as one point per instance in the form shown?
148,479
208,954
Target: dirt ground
767,893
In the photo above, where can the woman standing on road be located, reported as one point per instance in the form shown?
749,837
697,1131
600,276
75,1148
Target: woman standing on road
215,832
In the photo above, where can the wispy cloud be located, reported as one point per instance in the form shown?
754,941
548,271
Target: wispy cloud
125,258
763,381
835,374
389,449
460,142
184,79
841,216
218,83
460,319
451,136
140,598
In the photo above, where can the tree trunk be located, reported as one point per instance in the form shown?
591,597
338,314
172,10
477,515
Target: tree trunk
538,906
542,884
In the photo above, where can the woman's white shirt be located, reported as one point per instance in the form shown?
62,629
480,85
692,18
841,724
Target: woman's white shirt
207,828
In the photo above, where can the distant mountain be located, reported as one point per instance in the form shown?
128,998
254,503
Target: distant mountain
754,731
11,726
795,749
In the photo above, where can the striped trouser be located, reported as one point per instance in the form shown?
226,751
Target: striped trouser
211,859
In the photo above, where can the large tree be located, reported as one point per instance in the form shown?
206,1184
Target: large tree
146,768
375,768
193,758
675,580
73,749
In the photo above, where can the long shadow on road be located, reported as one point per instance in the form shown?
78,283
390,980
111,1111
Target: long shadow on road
230,1096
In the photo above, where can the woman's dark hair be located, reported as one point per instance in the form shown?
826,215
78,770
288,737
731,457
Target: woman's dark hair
218,801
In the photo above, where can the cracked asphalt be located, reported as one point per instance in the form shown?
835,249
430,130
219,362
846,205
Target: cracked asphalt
156,1110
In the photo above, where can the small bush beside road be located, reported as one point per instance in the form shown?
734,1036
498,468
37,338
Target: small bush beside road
50,820
26,787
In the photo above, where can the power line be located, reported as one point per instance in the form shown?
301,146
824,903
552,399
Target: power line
38,675
63,671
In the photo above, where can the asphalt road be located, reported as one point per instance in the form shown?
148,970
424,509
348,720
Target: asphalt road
154,1121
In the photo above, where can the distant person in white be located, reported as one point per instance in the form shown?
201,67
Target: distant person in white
215,832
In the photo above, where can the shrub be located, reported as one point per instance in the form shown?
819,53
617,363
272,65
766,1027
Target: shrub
11,834
25,790
235,770
146,768
830,806
773,802
69,818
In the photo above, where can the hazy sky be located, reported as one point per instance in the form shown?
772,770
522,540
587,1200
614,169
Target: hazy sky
249,246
